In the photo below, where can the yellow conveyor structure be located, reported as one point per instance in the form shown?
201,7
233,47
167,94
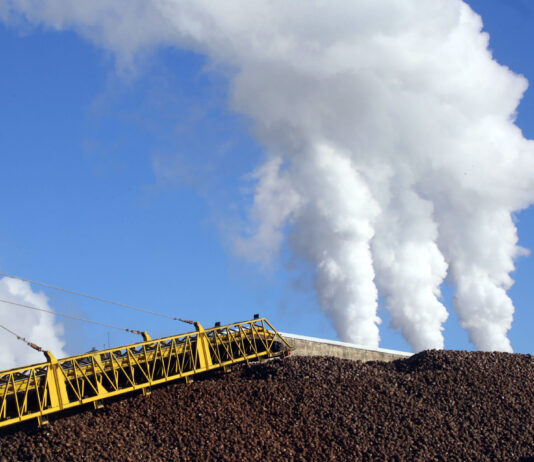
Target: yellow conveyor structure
42,389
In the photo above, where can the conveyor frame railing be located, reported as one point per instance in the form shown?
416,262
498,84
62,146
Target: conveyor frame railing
39,390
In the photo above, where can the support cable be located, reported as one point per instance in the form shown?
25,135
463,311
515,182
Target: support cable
99,299
27,342
132,331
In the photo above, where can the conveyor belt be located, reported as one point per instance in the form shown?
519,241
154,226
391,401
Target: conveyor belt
41,389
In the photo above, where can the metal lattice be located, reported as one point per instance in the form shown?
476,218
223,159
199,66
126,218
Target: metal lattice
41,389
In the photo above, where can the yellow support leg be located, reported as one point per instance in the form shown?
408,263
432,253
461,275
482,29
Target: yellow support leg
203,348
57,389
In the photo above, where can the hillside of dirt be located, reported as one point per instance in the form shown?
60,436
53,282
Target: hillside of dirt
436,405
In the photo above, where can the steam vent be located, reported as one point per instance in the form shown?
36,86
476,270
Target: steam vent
435,405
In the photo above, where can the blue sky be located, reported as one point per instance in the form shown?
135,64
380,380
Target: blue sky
129,186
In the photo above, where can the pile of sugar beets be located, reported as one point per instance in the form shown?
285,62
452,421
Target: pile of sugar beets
435,405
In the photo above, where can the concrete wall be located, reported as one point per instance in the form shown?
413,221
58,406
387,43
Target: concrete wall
309,346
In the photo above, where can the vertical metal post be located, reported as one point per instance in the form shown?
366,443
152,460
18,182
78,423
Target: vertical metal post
57,388
203,348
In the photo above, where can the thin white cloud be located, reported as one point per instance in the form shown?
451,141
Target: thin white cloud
37,327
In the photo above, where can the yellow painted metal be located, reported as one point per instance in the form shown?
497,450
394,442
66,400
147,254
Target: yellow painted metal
41,389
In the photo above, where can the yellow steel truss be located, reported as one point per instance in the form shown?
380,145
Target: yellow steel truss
41,389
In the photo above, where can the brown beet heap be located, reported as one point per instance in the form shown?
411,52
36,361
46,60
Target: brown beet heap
436,405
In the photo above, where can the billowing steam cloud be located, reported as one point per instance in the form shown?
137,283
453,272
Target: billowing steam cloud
36,326
393,158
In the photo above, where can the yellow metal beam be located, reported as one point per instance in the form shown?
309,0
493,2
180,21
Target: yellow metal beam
41,389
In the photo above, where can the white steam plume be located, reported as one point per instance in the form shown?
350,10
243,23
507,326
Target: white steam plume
35,326
390,137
